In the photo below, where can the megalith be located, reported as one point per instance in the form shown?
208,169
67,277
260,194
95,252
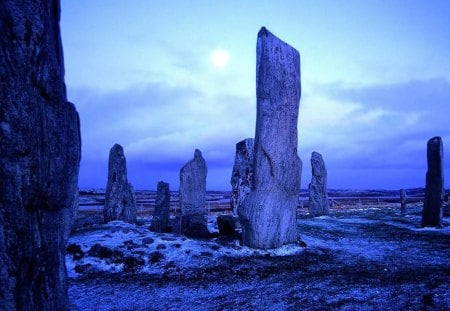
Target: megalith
242,175
318,195
39,158
268,213
162,207
402,201
193,197
434,188
120,203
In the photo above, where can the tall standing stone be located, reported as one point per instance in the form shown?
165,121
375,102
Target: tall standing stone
403,201
318,195
39,155
162,208
434,189
242,176
193,197
120,203
268,213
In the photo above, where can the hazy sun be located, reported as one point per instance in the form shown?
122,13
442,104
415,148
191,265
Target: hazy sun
220,58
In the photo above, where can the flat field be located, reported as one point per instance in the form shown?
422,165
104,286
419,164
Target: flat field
363,256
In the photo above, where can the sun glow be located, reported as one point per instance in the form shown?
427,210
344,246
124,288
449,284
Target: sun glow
220,58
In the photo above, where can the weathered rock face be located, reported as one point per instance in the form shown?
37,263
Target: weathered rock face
193,197
434,189
268,213
120,203
162,208
39,158
242,176
318,195
402,201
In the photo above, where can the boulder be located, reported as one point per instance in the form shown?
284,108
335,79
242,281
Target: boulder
268,213
120,203
242,175
194,222
162,206
318,195
39,158
434,188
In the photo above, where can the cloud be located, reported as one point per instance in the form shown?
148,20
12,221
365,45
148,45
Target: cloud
375,129
370,131
160,126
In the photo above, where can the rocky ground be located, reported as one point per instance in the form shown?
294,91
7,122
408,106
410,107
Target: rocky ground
367,258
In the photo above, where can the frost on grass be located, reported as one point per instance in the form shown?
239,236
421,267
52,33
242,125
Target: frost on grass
355,259
118,246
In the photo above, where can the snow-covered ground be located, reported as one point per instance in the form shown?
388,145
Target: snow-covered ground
105,248
358,259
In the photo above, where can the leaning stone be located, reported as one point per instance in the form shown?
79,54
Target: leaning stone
268,213
120,203
193,197
226,224
402,201
242,176
162,206
318,195
39,158
434,189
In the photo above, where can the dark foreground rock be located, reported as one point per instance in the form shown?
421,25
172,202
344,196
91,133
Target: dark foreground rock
268,213
434,188
193,197
226,224
120,202
39,158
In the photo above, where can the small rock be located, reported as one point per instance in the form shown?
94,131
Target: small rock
100,251
75,251
131,262
156,257
161,246
147,241
83,268
226,224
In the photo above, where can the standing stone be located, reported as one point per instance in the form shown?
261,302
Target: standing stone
39,158
402,201
162,207
318,196
242,176
193,196
434,189
268,213
120,203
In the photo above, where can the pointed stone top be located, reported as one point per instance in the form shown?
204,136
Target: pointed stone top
435,140
315,154
198,154
117,147
263,32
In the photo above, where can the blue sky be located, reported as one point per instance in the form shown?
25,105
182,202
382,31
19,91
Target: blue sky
375,85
